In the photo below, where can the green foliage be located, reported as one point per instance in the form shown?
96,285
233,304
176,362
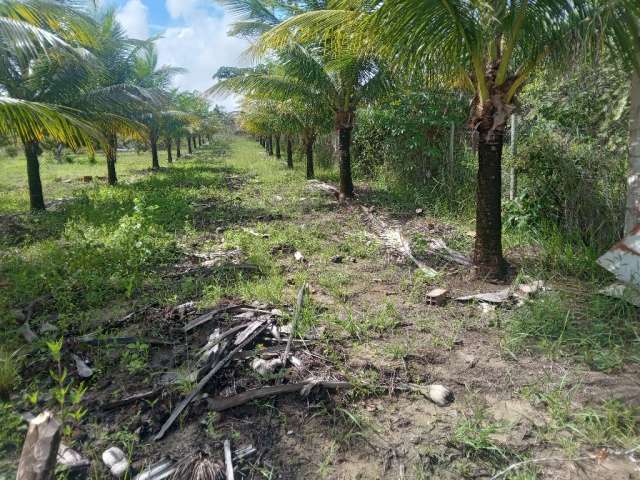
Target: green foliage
569,183
406,137
599,330
9,373
135,357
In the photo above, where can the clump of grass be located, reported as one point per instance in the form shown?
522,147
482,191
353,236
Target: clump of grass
610,423
599,330
9,373
474,433
371,323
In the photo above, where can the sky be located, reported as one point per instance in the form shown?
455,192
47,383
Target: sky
194,36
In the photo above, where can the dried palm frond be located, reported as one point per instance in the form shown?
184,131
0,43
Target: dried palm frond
198,466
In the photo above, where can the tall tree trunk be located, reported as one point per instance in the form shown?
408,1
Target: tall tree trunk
153,141
36,197
270,145
289,152
112,155
346,181
632,216
169,154
488,248
278,154
199,140
178,144
189,144
308,143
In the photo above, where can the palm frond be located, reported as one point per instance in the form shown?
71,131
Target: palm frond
32,121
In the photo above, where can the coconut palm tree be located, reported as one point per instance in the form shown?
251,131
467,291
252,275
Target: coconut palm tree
149,75
329,81
30,33
490,47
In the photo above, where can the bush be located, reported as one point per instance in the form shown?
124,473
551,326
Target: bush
570,184
407,137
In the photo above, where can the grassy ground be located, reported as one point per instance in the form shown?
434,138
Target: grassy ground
556,377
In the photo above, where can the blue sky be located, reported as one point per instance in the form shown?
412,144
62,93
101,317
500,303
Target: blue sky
193,36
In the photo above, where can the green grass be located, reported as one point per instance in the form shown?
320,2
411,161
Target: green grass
601,331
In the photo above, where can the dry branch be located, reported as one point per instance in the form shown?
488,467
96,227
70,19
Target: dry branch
227,460
296,318
225,403
202,319
217,367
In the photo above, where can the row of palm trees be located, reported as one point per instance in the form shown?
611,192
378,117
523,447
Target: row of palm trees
70,74
330,57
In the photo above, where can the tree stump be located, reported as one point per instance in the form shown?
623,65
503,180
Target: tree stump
38,458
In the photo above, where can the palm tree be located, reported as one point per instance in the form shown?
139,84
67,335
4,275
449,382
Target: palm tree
490,47
333,82
29,32
150,76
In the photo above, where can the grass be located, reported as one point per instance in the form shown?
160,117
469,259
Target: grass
105,250
598,330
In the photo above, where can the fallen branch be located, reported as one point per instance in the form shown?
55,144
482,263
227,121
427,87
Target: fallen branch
227,460
132,399
225,403
296,317
89,340
217,367
207,317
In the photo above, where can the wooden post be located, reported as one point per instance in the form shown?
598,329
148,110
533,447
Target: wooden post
40,450
452,140
513,177
632,215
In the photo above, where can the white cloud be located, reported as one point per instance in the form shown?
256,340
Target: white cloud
133,16
201,46
182,8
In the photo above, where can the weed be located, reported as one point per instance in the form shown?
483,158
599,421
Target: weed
135,357
474,433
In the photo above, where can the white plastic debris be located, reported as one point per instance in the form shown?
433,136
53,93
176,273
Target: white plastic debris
84,371
116,461
298,256
264,367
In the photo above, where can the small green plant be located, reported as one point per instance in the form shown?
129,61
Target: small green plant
210,424
135,357
65,393
474,433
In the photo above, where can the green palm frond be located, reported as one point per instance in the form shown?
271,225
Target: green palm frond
32,121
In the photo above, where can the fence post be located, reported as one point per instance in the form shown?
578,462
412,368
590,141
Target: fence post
452,140
513,176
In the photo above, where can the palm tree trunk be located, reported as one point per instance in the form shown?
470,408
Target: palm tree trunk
632,216
346,181
153,141
278,154
178,152
309,151
488,248
111,153
169,154
189,144
289,152
36,197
